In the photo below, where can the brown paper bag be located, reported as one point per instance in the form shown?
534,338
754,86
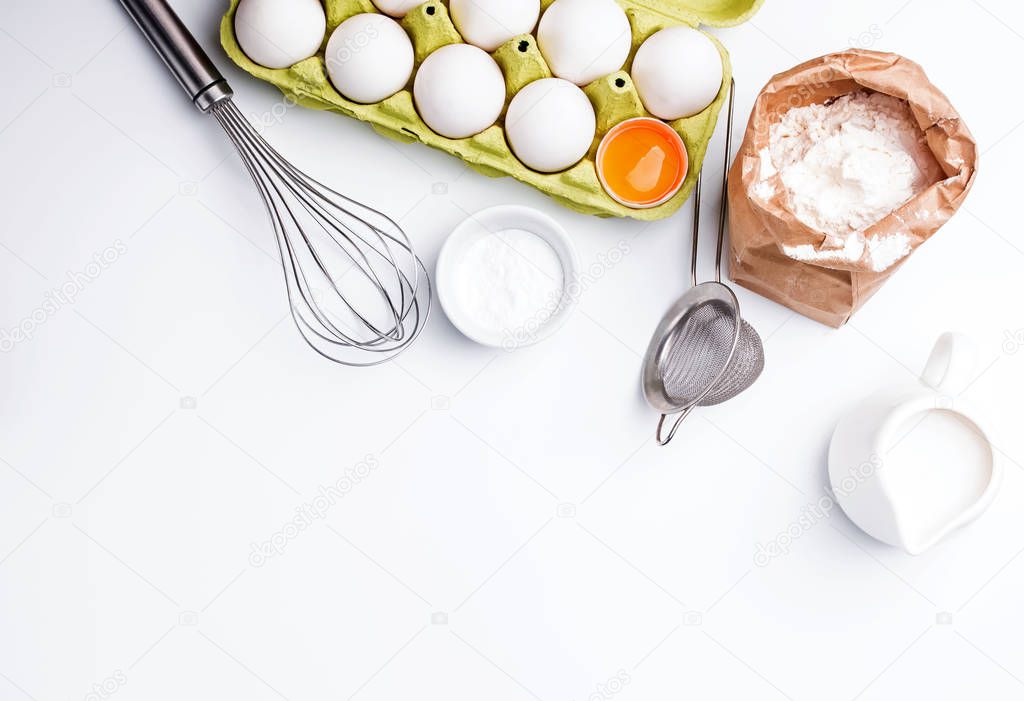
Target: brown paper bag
830,290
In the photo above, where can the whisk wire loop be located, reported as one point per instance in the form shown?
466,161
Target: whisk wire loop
315,227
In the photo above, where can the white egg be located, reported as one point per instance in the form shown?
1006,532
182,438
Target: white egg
459,91
280,33
369,58
550,125
583,40
490,23
397,8
677,72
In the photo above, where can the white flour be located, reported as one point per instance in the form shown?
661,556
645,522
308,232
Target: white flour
845,166
510,280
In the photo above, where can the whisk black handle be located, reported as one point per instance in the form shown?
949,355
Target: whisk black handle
180,51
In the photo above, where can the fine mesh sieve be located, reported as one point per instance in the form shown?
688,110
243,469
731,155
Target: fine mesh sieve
703,352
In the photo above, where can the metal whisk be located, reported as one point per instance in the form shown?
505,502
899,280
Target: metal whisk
703,352
358,293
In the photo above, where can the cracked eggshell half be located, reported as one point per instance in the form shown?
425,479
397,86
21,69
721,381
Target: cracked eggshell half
459,91
490,23
677,72
369,58
280,33
583,40
550,125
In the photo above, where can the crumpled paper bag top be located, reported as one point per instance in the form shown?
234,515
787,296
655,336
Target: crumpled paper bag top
827,77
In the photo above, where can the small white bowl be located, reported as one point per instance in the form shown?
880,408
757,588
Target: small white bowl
489,222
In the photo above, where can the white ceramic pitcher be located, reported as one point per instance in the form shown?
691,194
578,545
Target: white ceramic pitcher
913,463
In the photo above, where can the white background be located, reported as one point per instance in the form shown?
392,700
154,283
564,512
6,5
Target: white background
520,535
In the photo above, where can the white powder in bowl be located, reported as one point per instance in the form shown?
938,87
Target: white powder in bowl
509,281
845,166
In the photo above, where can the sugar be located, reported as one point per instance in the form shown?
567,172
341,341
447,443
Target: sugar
509,281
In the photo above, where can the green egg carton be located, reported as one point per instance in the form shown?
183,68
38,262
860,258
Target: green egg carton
614,97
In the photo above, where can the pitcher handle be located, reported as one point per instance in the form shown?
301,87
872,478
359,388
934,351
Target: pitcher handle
952,364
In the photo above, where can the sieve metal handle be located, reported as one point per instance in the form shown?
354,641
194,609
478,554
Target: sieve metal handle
724,207
695,233
724,211
180,51
675,426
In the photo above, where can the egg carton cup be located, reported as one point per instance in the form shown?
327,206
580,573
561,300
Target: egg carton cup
614,97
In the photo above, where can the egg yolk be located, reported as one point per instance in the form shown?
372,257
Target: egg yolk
642,162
